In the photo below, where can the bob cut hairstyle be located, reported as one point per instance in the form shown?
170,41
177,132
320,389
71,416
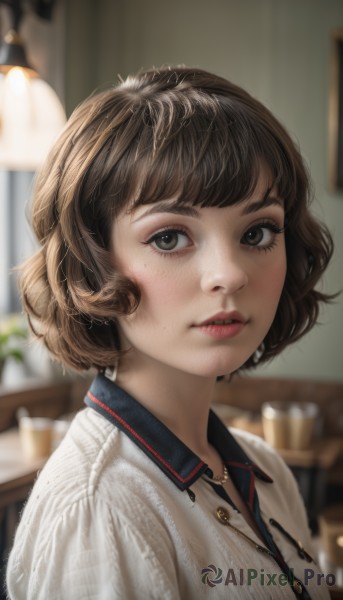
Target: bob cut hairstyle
163,133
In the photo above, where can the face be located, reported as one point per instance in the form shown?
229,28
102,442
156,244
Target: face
210,281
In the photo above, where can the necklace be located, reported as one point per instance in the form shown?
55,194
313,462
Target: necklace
221,479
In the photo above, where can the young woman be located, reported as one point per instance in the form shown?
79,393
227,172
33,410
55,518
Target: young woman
177,246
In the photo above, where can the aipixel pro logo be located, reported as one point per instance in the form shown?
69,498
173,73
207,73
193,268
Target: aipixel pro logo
211,575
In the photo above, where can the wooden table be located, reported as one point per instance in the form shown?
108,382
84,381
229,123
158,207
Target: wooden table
323,454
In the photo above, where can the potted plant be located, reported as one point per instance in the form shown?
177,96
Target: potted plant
12,332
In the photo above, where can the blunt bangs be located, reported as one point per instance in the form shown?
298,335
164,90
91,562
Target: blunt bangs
211,157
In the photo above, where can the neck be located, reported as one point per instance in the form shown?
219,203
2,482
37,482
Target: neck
180,400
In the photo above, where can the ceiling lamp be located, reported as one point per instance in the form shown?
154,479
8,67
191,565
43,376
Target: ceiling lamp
31,114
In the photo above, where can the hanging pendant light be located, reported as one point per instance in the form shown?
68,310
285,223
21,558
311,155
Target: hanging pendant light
31,114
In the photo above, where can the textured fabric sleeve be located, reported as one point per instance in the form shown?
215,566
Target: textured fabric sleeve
89,552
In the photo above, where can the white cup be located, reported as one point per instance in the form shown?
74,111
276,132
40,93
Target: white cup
290,425
302,419
275,424
35,437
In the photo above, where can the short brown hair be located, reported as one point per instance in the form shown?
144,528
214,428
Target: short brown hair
160,134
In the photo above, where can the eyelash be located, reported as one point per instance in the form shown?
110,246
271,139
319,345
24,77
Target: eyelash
159,234
271,226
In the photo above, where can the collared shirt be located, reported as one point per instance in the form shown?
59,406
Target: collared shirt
123,509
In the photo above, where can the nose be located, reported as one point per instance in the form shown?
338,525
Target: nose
223,273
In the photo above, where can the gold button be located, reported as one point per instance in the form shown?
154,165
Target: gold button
298,587
223,515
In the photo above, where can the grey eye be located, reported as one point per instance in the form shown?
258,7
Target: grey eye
261,236
253,237
167,240
170,240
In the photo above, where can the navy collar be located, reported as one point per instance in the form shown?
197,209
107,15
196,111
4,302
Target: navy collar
164,448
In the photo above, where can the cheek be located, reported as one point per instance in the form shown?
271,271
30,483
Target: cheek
159,287
268,280
275,280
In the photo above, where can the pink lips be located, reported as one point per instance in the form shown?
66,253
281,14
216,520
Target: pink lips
222,325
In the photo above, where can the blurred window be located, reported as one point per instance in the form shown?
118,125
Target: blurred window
16,238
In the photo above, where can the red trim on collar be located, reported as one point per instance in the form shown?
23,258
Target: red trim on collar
142,441
250,467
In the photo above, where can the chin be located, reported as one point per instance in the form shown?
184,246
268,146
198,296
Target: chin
216,371
222,366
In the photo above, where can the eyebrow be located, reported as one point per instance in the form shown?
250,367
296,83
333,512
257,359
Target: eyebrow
264,203
171,207
167,206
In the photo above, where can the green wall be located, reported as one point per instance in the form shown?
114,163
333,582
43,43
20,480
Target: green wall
279,50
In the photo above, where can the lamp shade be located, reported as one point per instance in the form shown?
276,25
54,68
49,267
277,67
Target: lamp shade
31,117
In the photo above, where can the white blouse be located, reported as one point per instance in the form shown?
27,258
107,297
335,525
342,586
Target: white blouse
103,522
